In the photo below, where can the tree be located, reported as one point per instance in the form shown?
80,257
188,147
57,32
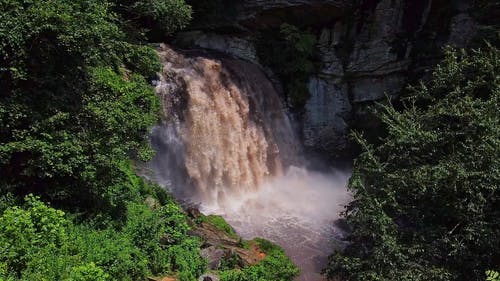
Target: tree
75,104
426,200
160,16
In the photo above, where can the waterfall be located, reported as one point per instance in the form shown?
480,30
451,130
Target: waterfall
225,130
226,143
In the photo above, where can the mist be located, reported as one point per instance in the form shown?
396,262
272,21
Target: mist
296,210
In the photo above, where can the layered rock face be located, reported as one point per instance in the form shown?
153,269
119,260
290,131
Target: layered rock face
367,50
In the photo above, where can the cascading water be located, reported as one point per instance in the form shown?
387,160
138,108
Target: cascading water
227,144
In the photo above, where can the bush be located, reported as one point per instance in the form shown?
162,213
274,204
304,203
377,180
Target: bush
25,232
220,223
162,235
166,16
75,106
142,60
425,200
70,114
492,275
88,272
111,250
38,243
276,266
184,257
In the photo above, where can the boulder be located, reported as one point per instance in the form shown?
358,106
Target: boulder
214,256
208,277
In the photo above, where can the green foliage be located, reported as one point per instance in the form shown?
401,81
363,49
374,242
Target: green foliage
276,266
69,114
167,16
75,105
184,257
492,275
426,200
39,243
112,250
266,246
24,232
289,53
142,60
220,223
232,261
6,201
87,272
162,235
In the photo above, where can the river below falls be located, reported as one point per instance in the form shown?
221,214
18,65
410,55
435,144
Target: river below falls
297,211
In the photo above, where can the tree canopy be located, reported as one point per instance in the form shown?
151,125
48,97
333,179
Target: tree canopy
76,102
76,107
426,199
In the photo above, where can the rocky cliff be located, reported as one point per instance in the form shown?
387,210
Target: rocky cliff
366,49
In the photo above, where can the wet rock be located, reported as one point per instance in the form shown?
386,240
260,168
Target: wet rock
232,45
213,236
219,246
462,29
265,13
208,277
366,50
327,110
214,256
376,88
372,50
193,212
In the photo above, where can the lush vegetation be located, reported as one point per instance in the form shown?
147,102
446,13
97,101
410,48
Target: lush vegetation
219,223
492,275
75,106
426,200
289,53
156,18
276,266
41,243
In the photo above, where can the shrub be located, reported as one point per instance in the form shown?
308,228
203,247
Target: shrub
425,200
492,275
25,232
276,266
167,16
69,112
88,272
220,223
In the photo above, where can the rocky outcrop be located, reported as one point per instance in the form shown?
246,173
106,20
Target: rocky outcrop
250,15
264,13
208,277
233,45
367,50
373,55
222,248
374,65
